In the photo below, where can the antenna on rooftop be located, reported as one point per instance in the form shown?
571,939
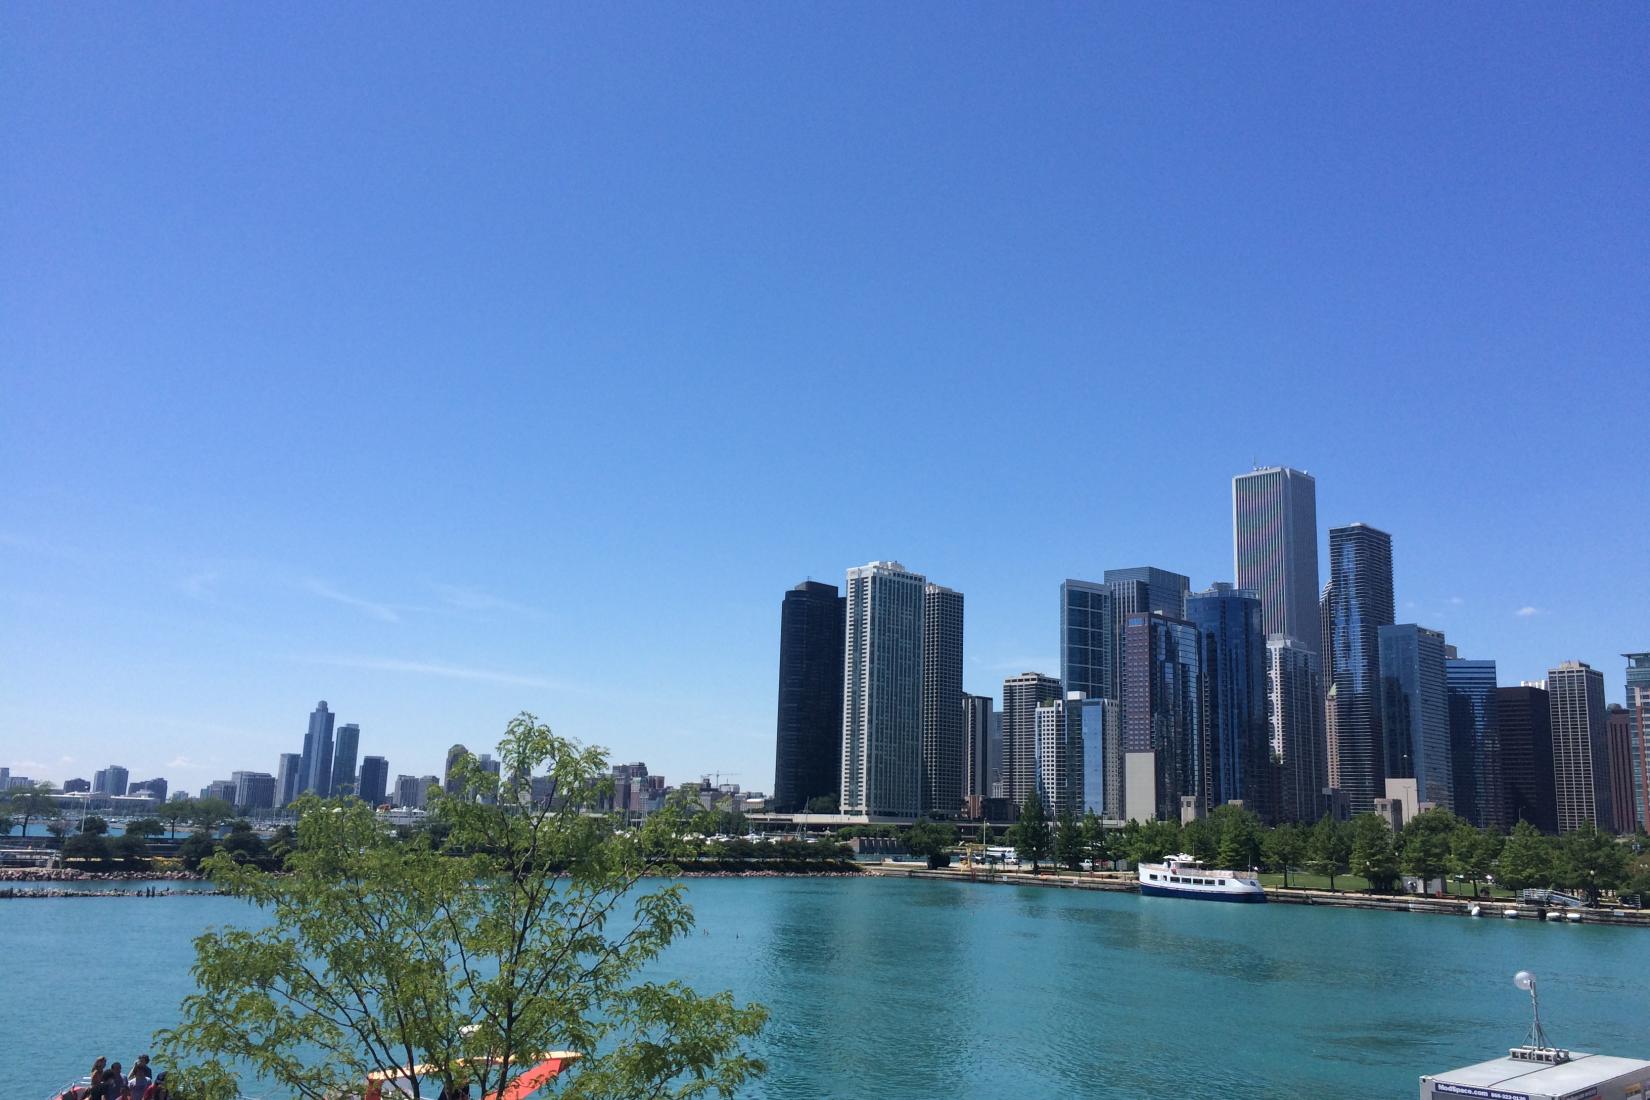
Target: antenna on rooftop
1537,1048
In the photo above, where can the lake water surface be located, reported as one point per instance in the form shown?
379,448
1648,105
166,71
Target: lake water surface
905,990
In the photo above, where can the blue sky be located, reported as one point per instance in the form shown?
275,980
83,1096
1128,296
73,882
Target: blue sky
448,362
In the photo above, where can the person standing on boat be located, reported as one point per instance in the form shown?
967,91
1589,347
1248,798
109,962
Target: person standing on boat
156,1091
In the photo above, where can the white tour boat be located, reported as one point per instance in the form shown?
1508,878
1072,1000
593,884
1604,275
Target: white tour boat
1184,877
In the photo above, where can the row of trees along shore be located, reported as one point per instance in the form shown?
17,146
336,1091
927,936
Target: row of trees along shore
1432,845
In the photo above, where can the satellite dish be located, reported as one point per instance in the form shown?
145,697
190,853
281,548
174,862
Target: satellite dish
1524,980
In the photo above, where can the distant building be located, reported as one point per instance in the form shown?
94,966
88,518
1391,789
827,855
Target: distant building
220,788
1164,591
1097,738
451,782
110,781
808,741
155,787
1234,675
1415,712
409,792
1295,712
289,776
1524,721
1058,763
253,791
943,746
1275,549
1618,737
1164,714
882,691
1022,695
1581,754
344,751
70,786
317,754
1475,743
373,782
977,711
1360,603
1088,639
1638,708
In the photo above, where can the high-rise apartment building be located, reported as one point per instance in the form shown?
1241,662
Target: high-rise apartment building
1097,738
288,779
1058,789
1022,695
1088,639
253,790
1638,708
409,792
1618,740
1523,718
111,781
1475,743
1581,753
977,735
1234,677
1275,549
943,746
1294,715
373,784
808,744
345,748
317,755
882,691
1164,712
1359,604
1415,712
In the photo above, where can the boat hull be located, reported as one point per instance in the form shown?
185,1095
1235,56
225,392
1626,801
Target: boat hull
1152,890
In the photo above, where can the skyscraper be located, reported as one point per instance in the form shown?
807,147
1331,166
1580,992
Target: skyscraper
1088,639
1234,676
1475,743
110,781
1275,548
1638,708
1618,739
317,761
977,735
808,744
409,792
1415,712
253,790
1581,752
1097,739
882,691
1054,722
942,695
1360,603
1164,591
1295,712
288,778
1163,711
451,781
1022,695
344,751
373,785
1523,718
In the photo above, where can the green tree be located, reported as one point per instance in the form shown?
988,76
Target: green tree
130,849
196,849
245,846
173,814
1374,852
1472,853
208,813
530,933
1030,835
60,827
1285,847
1425,845
90,848
25,804
1069,846
822,804
144,827
1239,831
1329,848
1590,861
933,841
94,826
7,822
1201,840
1099,843
1527,859
1152,840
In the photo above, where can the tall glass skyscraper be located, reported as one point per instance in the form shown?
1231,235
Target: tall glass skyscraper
882,691
1415,712
1088,639
344,751
1098,741
977,764
1163,709
1164,591
1581,749
288,778
1524,722
1295,714
1275,548
317,756
374,783
808,737
1475,742
943,746
1234,677
1359,604
1638,709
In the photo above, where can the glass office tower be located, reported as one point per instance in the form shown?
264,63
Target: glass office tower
1275,549
808,737
1234,675
1359,604
1415,712
1475,742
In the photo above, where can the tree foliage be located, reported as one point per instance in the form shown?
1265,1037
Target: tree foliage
1374,852
527,934
1030,835
933,841
1526,860
1591,861
1329,848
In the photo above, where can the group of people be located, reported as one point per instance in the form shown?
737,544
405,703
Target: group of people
109,1082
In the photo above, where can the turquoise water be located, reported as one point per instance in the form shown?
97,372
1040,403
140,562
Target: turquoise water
901,990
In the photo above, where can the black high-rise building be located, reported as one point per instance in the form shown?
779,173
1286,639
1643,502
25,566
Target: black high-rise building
374,784
1524,721
1360,603
808,744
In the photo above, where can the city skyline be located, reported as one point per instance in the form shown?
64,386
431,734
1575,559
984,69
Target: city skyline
380,396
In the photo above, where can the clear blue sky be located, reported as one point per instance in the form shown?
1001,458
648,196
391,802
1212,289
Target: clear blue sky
444,362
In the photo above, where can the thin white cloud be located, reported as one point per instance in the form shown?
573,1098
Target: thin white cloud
432,668
380,611
180,761
464,598
1527,611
